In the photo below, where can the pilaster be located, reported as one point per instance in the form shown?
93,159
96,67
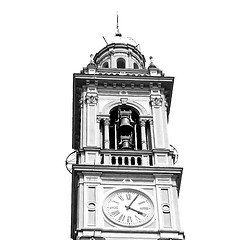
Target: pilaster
91,100
157,102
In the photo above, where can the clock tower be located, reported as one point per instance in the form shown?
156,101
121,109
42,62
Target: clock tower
124,182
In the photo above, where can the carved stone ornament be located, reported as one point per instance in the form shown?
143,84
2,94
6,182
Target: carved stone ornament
156,101
166,208
99,119
143,122
91,99
123,101
150,121
166,105
106,121
81,102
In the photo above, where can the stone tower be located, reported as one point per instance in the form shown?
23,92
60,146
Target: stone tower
124,182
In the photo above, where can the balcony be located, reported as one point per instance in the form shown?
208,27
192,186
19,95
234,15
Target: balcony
126,158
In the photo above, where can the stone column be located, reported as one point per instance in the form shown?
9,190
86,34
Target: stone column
115,133
151,133
135,136
106,133
100,132
143,134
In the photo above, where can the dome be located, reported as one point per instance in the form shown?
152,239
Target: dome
125,40
120,52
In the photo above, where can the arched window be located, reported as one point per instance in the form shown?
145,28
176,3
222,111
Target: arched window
105,65
121,63
135,66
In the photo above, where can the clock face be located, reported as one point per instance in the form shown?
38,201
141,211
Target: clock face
128,207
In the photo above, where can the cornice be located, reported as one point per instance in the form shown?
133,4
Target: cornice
126,169
121,77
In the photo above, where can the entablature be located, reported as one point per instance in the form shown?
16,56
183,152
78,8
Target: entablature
174,173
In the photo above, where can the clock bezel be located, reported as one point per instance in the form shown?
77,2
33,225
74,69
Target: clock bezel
111,219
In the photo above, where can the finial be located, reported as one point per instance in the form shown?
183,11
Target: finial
118,34
151,62
92,64
91,58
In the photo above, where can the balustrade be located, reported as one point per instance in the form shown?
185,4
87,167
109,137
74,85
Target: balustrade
123,160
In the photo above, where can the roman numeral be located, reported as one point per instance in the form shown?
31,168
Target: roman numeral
121,218
115,213
128,196
114,201
144,208
113,207
120,197
129,219
137,218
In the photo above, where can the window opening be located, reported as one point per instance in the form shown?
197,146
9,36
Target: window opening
105,65
120,63
135,66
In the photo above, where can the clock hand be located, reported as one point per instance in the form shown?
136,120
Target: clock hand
128,207
139,212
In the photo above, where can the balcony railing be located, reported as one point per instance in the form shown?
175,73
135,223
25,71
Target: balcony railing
126,158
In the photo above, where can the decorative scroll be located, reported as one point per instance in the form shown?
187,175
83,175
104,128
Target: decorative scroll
156,101
91,99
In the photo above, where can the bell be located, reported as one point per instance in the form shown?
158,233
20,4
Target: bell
125,142
125,127
125,122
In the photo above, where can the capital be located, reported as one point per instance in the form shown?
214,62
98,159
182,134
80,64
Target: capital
143,122
156,100
91,99
106,121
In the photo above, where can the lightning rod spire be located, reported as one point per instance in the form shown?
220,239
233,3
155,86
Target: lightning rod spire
118,33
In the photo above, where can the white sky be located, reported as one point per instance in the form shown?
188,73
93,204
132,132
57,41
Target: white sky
44,42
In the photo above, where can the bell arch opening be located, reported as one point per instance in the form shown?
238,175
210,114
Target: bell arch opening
124,129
